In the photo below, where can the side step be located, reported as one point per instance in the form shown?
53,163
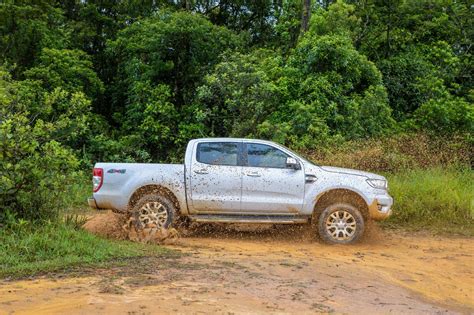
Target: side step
229,218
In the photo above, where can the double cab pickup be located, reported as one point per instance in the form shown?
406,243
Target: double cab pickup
244,181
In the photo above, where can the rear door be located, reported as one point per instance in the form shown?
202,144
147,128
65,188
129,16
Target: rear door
216,177
268,186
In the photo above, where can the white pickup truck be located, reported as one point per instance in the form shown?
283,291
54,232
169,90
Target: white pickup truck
244,181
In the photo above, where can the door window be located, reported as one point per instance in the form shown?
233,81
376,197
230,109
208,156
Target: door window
218,153
262,155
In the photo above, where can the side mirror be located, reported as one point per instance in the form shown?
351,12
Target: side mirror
292,163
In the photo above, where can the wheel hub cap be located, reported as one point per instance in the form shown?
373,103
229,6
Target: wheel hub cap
341,225
153,213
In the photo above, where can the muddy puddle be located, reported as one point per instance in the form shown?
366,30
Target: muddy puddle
266,269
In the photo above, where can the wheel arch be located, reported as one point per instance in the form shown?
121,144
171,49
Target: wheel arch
344,195
153,189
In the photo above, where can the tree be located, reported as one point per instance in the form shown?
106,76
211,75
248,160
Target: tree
161,62
254,17
343,87
287,26
306,15
71,70
409,43
26,28
325,90
240,94
171,48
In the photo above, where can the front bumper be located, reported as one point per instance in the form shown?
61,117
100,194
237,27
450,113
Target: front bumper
381,207
92,203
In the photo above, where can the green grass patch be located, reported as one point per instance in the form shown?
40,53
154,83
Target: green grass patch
436,199
30,249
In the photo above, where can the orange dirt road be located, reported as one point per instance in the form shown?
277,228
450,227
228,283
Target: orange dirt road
270,271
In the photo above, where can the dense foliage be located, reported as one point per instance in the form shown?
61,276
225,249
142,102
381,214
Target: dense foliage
87,80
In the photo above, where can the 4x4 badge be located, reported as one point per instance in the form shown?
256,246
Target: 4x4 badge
113,171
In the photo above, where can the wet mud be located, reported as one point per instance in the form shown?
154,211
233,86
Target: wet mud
266,269
124,227
108,225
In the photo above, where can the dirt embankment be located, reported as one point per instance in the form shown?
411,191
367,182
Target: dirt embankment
267,270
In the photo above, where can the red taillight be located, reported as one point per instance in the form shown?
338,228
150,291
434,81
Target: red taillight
97,179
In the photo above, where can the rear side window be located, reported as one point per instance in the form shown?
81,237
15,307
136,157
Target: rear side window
218,153
262,155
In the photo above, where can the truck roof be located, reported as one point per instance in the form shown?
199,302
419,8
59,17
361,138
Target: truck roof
233,140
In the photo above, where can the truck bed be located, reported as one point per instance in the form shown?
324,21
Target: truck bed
122,179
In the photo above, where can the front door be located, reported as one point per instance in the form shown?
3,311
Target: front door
216,177
268,186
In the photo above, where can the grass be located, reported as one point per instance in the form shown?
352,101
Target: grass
30,249
436,199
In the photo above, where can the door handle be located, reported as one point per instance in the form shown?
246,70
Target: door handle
253,174
201,171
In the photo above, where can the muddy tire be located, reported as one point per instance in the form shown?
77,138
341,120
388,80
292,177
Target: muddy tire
154,209
341,223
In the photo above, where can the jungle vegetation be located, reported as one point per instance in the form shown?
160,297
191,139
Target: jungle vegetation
86,80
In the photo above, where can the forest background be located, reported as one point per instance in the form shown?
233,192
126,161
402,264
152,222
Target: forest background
384,86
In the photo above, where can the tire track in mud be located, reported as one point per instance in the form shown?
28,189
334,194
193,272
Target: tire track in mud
267,270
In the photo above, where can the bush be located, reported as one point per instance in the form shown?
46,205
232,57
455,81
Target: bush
36,169
446,115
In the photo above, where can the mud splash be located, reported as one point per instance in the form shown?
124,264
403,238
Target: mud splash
123,227
108,225
290,232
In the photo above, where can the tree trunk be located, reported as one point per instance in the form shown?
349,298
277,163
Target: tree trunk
389,27
306,15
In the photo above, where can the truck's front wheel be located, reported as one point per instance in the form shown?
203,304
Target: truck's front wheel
341,223
154,210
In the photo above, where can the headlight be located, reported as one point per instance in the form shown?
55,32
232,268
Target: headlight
377,183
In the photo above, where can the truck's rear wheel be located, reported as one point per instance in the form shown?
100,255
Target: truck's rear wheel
154,210
341,223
